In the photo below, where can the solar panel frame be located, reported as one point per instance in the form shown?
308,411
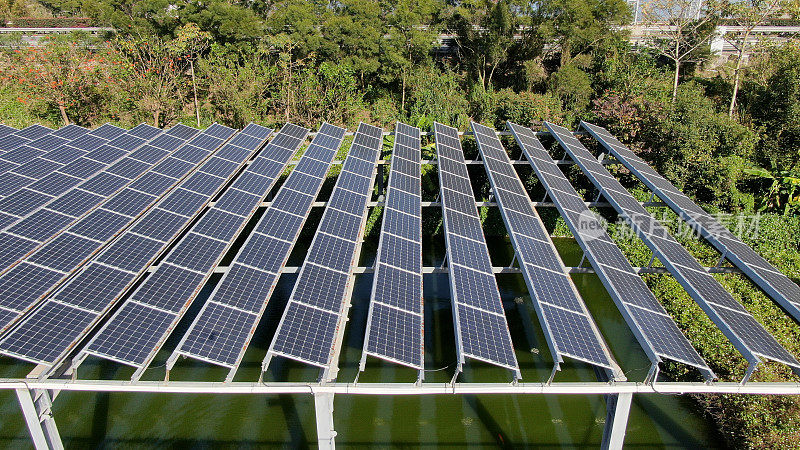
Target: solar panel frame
367,143
465,252
260,259
180,276
706,291
620,279
774,283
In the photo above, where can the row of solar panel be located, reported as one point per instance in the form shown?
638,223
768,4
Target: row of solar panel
395,324
481,329
319,295
208,242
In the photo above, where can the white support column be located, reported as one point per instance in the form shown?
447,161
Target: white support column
326,435
619,408
44,406
32,419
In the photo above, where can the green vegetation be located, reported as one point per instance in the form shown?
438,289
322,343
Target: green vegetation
727,134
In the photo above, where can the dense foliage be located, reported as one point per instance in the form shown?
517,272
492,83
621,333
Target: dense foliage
728,135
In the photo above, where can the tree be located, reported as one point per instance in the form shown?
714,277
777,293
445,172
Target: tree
679,29
576,26
773,101
154,67
238,81
189,42
485,32
745,16
64,73
411,36
300,21
353,36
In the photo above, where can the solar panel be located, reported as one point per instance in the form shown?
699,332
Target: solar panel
747,335
654,328
481,329
18,167
123,260
395,320
244,290
184,270
52,179
5,130
322,284
21,137
777,285
54,256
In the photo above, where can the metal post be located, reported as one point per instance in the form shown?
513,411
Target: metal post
32,419
619,408
326,435
44,406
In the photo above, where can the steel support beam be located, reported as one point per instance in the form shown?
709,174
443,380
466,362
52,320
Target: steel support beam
36,409
618,407
497,269
44,407
361,388
326,435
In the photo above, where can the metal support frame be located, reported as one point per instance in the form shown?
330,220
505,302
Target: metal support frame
497,269
618,408
323,407
36,408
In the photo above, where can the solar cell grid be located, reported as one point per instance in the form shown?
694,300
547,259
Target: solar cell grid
399,288
21,154
472,325
702,287
82,168
181,274
102,281
145,131
395,335
126,142
184,202
24,203
182,131
168,286
47,142
130,252
197,252
772,281
11,141
219,338
108,131
45,225
6,130
32,169
56,184
12,182
106,154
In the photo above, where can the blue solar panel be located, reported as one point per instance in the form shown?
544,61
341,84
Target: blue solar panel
747,335
130,253
182,272
69,250
626,288
252,275
323,279
108,131
777,285
468,249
